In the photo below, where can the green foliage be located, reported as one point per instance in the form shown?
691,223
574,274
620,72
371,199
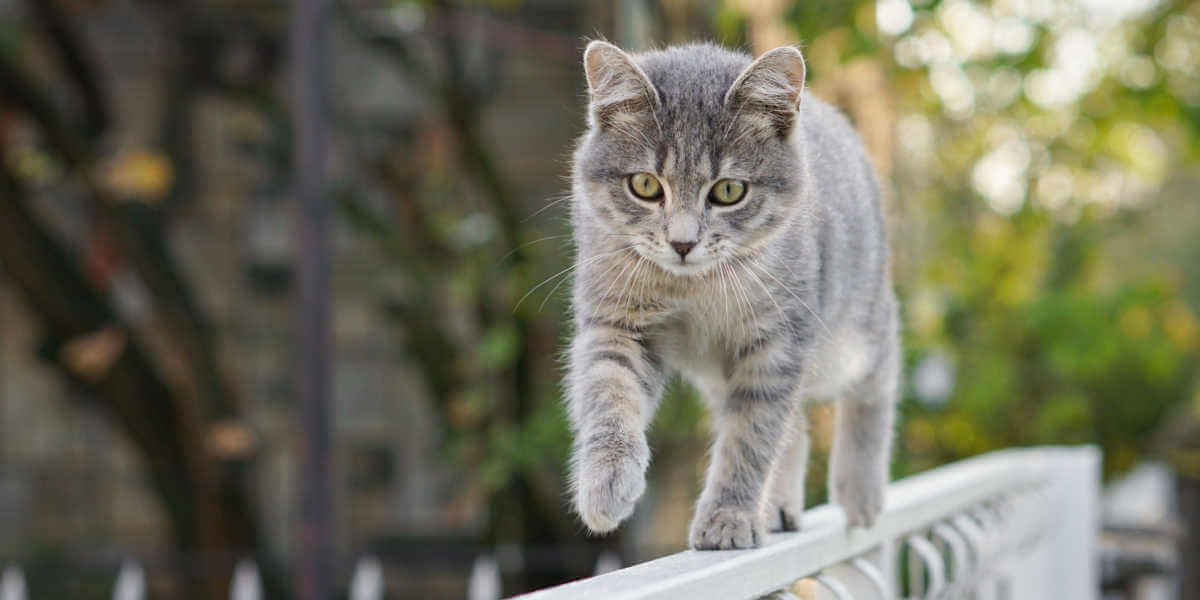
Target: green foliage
1018,197
1022,165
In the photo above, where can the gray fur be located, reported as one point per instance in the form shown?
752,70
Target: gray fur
785,297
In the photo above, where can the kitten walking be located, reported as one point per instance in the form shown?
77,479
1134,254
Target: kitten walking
728,228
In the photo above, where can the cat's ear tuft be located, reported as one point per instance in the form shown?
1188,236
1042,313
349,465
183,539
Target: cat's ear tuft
770,87
618,88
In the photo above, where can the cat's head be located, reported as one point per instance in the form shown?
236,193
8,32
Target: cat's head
688,156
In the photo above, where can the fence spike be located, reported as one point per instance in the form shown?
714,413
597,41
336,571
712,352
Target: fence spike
367,581
246,583
12,584
484,583
131,582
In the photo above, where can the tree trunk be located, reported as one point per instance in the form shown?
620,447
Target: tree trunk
211,521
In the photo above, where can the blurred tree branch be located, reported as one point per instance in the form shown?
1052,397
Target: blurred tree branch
130,389
74,62
526,510
208,501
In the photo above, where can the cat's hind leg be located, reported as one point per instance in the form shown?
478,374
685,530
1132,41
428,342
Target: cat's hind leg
861,453
785,501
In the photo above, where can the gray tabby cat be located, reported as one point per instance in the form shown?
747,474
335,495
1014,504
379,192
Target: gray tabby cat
729,229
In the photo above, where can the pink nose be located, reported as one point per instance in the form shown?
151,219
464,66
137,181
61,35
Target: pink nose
683,248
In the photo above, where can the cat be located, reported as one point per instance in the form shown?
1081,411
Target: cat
729,228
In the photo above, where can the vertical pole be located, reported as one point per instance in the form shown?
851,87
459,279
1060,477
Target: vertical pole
308,54
1188,488
3,364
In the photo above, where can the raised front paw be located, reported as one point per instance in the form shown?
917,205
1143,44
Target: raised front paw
861,498
610,479
725,528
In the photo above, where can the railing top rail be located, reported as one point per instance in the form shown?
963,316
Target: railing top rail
913,503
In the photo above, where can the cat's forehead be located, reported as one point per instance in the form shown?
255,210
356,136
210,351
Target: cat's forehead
691,82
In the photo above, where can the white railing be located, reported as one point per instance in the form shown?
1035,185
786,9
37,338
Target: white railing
1015,524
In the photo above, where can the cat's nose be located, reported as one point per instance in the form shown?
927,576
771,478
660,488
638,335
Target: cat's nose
683,248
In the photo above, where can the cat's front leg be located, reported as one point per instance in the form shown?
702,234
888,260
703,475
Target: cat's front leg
614,384
752,426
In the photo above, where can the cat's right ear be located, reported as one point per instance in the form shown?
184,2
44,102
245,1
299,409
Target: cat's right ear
619,91
768,92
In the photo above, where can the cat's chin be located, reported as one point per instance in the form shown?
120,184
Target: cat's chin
686,269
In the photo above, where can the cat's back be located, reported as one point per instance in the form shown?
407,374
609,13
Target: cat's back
834,151
852,231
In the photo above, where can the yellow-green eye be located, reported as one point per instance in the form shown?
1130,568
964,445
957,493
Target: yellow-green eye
727,192
645,186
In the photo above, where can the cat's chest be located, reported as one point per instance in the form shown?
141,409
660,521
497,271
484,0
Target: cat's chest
695,341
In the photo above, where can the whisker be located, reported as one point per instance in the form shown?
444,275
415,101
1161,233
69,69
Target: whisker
600,299
530,243
742,309
645,281
749,302
612,267
812,312
724,293
629,283
550,294
770,295
569,269
551,204
762,285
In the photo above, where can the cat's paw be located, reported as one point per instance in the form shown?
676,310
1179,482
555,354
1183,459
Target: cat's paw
861,498
611,479
726,528
780,519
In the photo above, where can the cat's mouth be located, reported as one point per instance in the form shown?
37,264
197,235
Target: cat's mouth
697,262
687,267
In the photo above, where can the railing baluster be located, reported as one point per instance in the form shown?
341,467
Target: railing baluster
973,535
933,565
958,552
916,574
12,584
872,574
832,584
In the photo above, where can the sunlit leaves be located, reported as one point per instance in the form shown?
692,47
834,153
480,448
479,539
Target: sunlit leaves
1029,132
143,175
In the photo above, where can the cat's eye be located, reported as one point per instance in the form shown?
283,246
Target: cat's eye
727,192
645,186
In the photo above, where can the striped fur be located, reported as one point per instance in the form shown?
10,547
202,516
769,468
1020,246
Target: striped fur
785,297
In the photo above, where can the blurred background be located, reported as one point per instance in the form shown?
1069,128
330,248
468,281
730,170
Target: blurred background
1040,163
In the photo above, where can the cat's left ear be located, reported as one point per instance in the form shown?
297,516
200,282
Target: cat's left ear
770,88
620,91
